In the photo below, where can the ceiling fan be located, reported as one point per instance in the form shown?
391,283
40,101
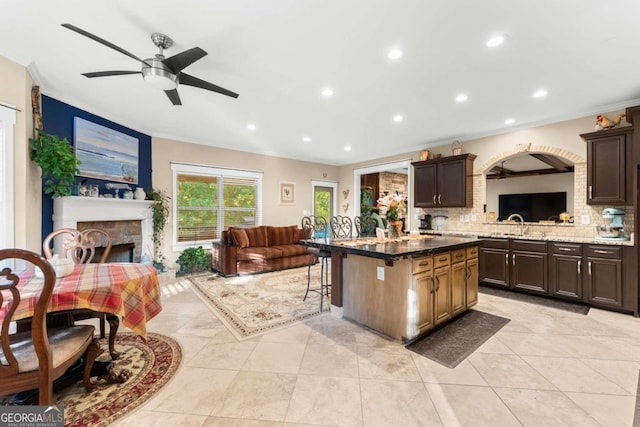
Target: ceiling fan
164,73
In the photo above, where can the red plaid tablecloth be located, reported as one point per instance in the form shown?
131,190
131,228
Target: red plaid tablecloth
129,290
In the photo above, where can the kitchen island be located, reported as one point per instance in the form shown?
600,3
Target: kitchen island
402,287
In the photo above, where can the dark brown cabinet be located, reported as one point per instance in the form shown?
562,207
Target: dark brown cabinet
514,264
603,280
565,275
609,166
444,182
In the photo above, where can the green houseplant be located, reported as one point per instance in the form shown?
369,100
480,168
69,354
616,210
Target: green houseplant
160,209
194,260
58,162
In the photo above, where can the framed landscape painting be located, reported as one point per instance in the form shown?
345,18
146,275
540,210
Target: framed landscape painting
287,193
105,153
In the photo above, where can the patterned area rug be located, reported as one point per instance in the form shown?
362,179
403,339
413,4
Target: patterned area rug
152,365
255,304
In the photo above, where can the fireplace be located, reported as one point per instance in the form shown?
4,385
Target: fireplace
118,253
128,222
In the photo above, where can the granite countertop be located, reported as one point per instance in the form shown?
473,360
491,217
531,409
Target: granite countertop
531,236
389,249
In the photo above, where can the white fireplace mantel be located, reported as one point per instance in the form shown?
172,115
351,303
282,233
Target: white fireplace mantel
69,211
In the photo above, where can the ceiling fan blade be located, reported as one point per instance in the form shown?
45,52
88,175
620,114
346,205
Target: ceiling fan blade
102,41
173,96
189,80
182,60
109,73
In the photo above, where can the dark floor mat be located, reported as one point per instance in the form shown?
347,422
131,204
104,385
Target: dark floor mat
534,299
456,340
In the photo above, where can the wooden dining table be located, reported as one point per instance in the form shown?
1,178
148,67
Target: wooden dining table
127,290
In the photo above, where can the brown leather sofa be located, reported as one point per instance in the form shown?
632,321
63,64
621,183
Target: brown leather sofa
259,249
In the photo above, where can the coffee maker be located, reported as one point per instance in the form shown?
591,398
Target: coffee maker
425,223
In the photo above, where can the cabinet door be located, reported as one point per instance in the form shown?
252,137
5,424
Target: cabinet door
452,183
494,266
604,281
472,282
565,278
458,288
442,294
424,186
529,271
424,287
606,171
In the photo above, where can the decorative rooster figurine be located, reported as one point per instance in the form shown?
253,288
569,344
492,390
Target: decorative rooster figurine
603,123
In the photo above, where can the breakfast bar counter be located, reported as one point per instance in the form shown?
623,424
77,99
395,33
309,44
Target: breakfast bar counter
402,287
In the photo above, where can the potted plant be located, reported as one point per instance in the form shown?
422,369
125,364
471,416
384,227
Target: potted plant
194,260
58,162
160,210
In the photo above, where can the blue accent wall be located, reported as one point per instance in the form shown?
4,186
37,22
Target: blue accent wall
57,119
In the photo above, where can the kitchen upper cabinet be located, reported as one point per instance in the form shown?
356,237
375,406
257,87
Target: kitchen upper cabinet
444,182
609,166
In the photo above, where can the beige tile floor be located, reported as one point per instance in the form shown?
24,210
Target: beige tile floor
544,368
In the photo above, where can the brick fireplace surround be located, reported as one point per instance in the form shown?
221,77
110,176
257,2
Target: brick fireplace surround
126,221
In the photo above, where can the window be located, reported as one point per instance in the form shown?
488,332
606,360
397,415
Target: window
209,200
7,120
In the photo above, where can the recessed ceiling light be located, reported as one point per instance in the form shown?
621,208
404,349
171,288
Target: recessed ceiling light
306,139
540,93
398,118
462,97
327,92
495,41
509,121
347,148
251,127
394,54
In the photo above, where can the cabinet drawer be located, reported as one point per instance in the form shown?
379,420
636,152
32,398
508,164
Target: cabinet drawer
566,249
472,252
459,255
422,264
604,252
495,243
529,246
442,260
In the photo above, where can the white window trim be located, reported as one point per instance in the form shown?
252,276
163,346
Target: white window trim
7,122
202,170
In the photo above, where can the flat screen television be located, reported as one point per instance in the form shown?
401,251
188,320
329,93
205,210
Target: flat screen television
533,206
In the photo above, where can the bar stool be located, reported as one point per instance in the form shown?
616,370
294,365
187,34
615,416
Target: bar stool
341,227
316,227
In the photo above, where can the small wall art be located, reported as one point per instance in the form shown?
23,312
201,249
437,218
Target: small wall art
287,193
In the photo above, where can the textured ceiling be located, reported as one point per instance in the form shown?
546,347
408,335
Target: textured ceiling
279,54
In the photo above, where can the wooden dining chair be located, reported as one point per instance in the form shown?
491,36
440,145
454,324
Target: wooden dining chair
81,247
35,358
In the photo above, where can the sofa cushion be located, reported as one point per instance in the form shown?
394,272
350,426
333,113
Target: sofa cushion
257,236
291,250
258,253
239,236
282,235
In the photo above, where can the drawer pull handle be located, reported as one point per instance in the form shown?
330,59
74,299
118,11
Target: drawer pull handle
513,259
579,267
439,199
598,251
432,283
589,265
443,259
506,259
459,255
590,192
566,249
423,263
434,199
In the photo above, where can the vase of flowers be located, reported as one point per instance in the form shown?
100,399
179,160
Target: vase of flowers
394,207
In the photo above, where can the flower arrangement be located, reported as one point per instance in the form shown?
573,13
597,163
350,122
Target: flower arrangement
393,206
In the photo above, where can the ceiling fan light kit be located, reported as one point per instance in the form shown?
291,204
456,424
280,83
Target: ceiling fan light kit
163,73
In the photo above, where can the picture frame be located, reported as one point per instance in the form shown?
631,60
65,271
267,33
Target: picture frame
287,193
105,153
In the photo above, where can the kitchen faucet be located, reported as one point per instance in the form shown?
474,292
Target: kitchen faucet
523,228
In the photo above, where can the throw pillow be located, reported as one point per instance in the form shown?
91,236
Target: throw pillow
240,237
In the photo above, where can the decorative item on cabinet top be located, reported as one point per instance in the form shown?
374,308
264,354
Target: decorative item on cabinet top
456,148
604,123
424,155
